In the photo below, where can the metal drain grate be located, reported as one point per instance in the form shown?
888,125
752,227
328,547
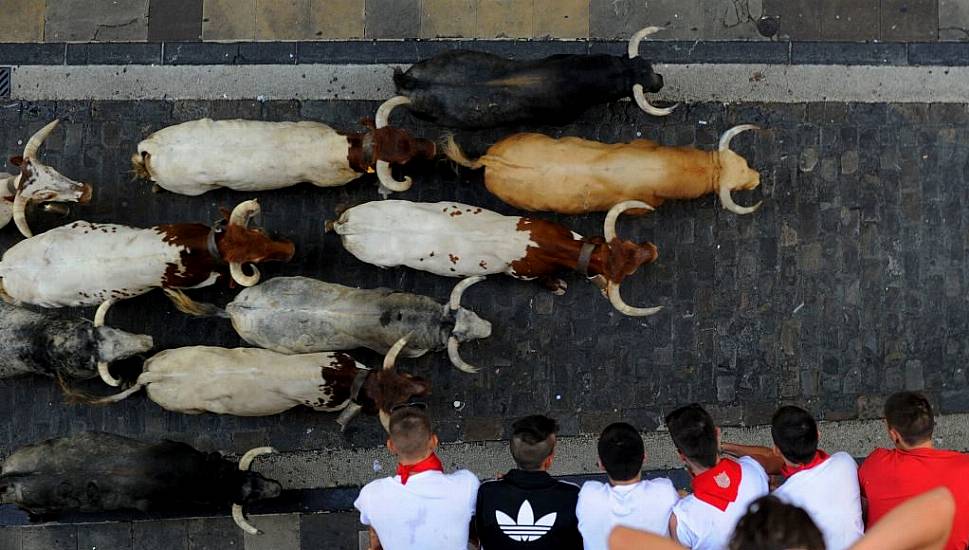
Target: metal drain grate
4,82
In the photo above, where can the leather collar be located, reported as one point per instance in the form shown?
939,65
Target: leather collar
218,228
584,256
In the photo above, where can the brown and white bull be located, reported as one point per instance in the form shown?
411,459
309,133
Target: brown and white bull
87,264
458,240
572,175
253,155
259,382
36,182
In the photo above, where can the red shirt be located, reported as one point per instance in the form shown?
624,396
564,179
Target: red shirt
890,477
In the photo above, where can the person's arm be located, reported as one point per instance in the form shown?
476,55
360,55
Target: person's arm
672,528
771,461
920,523
624,538
473,534
374,540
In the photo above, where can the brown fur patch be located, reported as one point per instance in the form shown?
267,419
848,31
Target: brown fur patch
389,388
197,263
242,245
389,144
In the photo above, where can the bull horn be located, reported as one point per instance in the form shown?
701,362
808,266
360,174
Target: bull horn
244,464
455,356
621,306
725,199
455,302
35,141
240,216
638,93
609,227
392,353
384,420
20,214
387,182
103,371
383,112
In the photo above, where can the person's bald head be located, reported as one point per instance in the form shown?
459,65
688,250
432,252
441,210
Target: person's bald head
411,436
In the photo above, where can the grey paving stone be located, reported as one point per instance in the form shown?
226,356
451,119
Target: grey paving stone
279,532
32,54
160,535
105,536
114,54
10,538
49,537
799,19
214,534
329,531
849,53
392,19
94,20
909,20
953,20
619,19
174,20
849,20
946,53
727,19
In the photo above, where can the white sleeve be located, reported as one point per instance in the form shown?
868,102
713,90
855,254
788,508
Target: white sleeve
363,504
474,484
580,507
684,534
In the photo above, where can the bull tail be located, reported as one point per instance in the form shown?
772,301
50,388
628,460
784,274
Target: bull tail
139,166
453,151
199,309
75,396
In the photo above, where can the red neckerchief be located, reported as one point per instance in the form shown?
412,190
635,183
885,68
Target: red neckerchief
819,457
431,463
718,486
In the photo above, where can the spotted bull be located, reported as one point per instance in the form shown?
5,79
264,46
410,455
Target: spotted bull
86,264
259,382
253,155
457,240
36,182
62,346
572,175
98,472
302,315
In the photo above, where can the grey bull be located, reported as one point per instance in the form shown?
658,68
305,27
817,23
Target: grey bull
302,315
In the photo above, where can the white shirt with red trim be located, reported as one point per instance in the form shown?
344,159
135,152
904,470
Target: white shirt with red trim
645,506
433,510
830,494
702,526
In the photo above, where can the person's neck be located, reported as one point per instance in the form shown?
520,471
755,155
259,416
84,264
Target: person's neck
696,469
927,444
539,469
633,481
409,461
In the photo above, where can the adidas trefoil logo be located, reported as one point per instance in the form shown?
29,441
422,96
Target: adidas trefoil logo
525,529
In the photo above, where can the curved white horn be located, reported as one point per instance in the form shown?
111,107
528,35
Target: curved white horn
391,356
635,39
387,180
240,518
609,226
640,96
730,205
103,371
384,420
383,112
455,302
20,214
239,274
241,215
728,136
35,141
246,461
455,356
622,307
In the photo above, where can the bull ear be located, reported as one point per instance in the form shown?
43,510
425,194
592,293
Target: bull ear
419,387
17,160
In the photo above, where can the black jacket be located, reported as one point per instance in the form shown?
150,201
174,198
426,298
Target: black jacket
527,510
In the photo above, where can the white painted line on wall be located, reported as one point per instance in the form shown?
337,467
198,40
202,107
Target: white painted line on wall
729,83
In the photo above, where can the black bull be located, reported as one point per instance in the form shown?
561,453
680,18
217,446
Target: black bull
467,89
96,472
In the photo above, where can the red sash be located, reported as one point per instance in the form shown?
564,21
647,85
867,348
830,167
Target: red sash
718,486
819,457
431,463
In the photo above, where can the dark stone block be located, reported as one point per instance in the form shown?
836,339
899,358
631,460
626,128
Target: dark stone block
329,531
799,19
120,53
283,53
942,53
848,53
174,20
10,538
160,535
200,53
909,20
676,51
32,54
49,537
213,534
392,19
849,20
113,536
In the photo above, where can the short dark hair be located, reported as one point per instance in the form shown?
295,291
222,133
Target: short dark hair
770,524
795,433
694,434
621,451
410,430
910,414
532,440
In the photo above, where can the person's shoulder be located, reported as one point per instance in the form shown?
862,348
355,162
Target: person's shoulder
464,477
842,459
567,486
662,486
378,487
750,464
592,491
874,460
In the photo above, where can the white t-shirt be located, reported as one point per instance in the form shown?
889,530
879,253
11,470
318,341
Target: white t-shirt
829,493
702,526
433,510
645,505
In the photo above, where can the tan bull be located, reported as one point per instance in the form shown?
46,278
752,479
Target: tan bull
572,175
